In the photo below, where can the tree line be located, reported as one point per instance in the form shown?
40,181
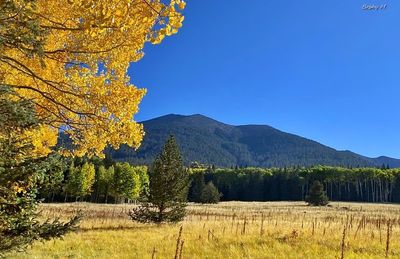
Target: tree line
107,181
95,180
277,184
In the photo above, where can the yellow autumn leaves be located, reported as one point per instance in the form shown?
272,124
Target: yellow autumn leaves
43,138
79,83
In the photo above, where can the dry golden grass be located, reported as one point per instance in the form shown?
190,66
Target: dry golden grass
230,230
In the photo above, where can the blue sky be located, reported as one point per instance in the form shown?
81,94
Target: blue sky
325,70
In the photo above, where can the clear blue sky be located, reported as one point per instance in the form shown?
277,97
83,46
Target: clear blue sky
325,70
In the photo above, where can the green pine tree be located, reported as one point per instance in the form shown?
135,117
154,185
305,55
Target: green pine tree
168,187
197,186
210,194
316,195
20,177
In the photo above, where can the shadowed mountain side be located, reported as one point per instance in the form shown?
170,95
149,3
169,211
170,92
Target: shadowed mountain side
208,141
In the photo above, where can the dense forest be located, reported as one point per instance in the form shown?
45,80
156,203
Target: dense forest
277,184
211,142
107,181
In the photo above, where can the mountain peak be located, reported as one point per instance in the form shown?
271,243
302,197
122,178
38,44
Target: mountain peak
179,116
198,115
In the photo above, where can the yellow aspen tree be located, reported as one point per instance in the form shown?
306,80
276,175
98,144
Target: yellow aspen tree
70,59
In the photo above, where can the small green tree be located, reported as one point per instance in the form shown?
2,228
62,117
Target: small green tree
316,195
169,182
210,194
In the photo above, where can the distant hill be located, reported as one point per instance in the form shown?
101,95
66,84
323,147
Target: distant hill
384,160
209,141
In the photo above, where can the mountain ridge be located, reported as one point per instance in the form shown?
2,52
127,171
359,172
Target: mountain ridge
209,141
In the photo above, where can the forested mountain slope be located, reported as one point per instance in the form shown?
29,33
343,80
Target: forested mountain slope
208,141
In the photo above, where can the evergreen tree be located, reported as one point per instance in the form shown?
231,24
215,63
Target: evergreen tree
169,181
52,181
210,194
21,174
108,161
316,195
196,187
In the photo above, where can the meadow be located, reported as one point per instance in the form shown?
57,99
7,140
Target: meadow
229,230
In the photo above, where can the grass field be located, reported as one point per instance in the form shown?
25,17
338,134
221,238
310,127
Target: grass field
230,230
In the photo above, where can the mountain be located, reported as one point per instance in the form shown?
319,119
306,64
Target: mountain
384,160
208,141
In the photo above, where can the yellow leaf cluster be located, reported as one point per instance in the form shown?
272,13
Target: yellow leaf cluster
79,82
42,139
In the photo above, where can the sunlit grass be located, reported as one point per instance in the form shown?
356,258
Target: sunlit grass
228,230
